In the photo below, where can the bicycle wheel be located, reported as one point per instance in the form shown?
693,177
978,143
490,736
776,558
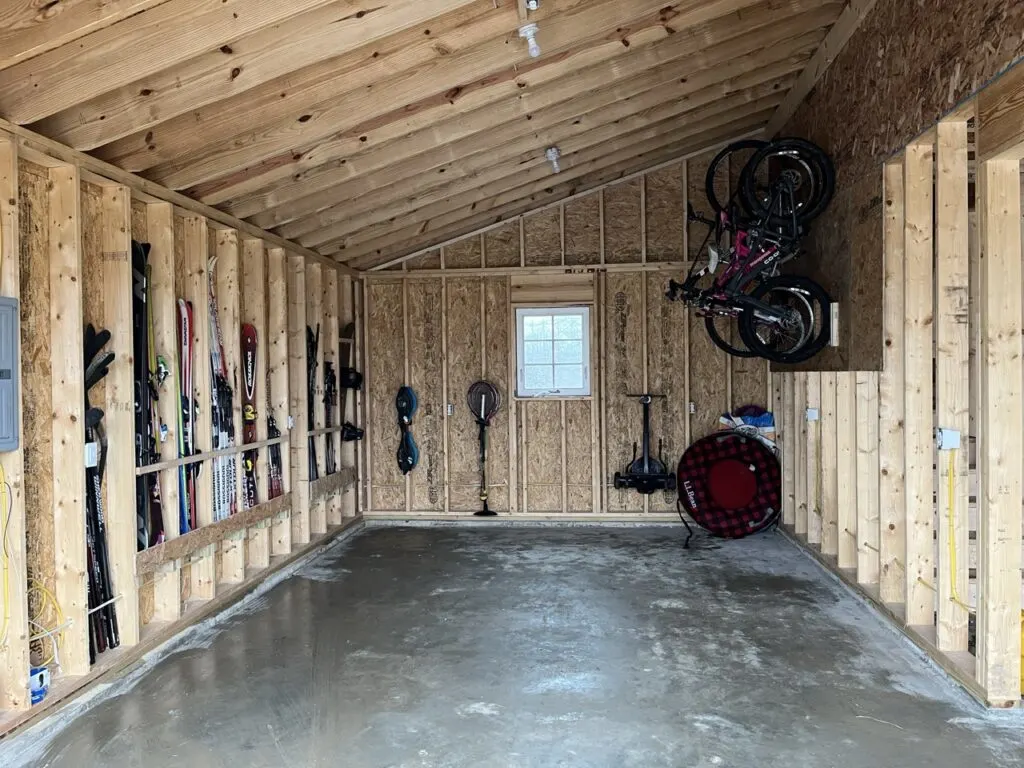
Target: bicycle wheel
719,171
804,165
806,329
720,328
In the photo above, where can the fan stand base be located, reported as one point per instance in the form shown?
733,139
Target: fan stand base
485,512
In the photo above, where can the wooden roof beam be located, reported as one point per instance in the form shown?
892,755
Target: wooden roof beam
334,42
323,164
610,155
158,38
480,76
831,47
505,169
586,185
508,121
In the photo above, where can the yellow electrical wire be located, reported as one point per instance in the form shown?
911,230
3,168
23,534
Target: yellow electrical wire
955,598
5,522
56,633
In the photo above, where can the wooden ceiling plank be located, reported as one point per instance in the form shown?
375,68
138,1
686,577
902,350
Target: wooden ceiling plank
585,185
338,38
29,29
481,75
135,47
505,122
522,167
831,46
375,193
295,174
629,146
346,106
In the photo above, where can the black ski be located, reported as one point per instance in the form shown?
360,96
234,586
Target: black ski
103,630
312,346
249,344
330,401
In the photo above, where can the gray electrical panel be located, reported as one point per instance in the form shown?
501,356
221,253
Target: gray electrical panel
8,374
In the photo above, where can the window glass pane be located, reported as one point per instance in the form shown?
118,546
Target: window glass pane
568,327
568,377
568,351
537,352
536,327
538,377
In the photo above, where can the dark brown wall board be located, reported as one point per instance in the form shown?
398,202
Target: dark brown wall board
907,65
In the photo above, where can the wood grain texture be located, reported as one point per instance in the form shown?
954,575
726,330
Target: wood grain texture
583,230
465,365
665,213
425,364
502,246
385,363
463,254
666,375
500,349
623,376
867,494
830,532
622,223
543,466
578,456
542,238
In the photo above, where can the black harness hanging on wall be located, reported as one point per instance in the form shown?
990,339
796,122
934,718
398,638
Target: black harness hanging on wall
408,454
484,401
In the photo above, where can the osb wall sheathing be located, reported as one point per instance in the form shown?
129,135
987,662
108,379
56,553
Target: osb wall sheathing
37,398
385,359
551,456
906,65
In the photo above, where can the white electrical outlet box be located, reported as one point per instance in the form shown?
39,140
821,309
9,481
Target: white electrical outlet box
834,310
693,407
947,439
812,414
450,409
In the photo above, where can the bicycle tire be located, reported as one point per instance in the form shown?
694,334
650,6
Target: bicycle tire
709,177
721,343
821,167
817,295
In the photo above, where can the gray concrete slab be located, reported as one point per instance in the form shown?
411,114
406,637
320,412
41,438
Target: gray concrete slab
537,648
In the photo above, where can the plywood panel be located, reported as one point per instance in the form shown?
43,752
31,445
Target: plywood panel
425,365
542,238
502,246
543,463
431,260
708,385
465,365
623,376
386,366
846,467
37,416
579,456
749,380
622,222
867,498
582,230
499,347
464,254
665,214
666,375
813,473
140,221
696,169
829,460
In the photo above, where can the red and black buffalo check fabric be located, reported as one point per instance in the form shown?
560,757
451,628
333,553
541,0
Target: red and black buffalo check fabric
730,485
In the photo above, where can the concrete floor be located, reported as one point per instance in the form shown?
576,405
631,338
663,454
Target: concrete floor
503,647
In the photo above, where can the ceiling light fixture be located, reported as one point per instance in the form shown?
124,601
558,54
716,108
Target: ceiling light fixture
529,31
552,154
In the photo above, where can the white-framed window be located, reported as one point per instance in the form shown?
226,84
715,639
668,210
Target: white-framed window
552,351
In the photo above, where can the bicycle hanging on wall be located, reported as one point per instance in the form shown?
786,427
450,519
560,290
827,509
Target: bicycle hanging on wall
751,309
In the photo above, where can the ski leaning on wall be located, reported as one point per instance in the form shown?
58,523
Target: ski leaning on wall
312,346
225,497
186,410
149,374
330,402
251,497
103,631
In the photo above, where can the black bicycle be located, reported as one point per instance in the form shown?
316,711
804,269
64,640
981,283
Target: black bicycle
783,318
